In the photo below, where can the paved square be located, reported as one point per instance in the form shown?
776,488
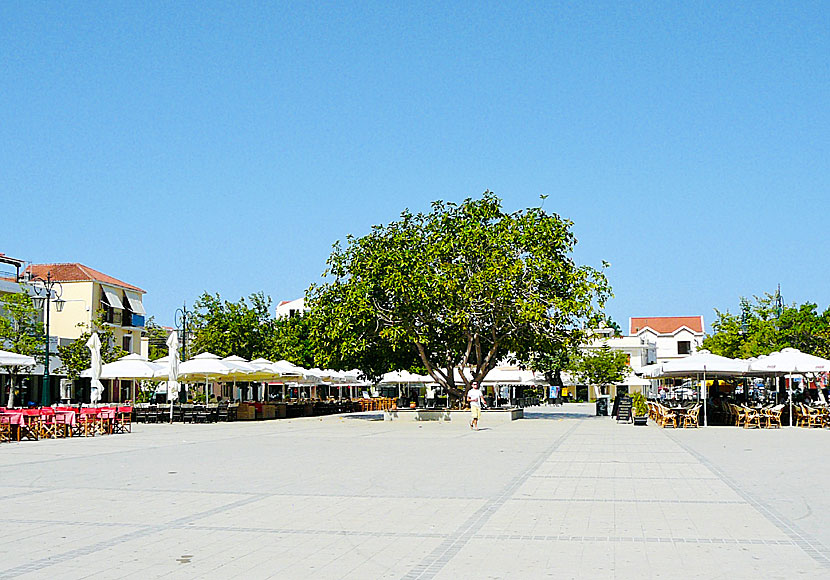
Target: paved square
559,494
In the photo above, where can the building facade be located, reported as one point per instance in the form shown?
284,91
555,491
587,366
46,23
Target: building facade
675,336
89,295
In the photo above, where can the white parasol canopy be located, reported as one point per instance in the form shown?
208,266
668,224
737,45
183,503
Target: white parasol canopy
94,346
132,366
172,369
12,359
404,378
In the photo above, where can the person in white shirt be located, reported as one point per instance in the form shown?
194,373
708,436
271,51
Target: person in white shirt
476,399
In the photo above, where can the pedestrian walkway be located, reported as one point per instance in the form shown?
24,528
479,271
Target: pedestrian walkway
560,494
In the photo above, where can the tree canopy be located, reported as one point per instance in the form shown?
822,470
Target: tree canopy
600,367
20,331
765,325
75,356
460,286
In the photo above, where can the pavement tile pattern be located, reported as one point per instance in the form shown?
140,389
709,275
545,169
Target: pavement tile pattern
559,494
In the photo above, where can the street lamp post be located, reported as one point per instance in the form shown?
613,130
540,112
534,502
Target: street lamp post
43,294
181,325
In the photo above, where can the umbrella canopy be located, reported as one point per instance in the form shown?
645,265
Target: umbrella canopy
404,377
94,346
286,369
240,368
203,366
172,365
12,359
789,360
701,362
132,366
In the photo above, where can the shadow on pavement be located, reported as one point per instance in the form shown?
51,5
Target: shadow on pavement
557,416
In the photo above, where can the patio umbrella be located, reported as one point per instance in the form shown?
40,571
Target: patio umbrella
240,369
789,361
12,359
133,367
704,362
94,346
207,366
172,369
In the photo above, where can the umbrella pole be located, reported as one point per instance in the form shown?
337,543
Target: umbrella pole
705,387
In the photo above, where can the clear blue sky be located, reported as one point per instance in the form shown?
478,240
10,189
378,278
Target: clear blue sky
224,147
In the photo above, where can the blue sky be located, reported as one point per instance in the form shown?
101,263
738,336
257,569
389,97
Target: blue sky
224,147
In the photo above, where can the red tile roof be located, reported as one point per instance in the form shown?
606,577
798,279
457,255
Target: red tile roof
78,273
667,324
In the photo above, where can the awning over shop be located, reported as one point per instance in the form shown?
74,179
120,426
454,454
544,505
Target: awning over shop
113,299
135,304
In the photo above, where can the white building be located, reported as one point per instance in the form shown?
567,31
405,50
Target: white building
675,336
288,308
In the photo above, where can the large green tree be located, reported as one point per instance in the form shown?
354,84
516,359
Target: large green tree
244,328
461,286
20,331
156,339
764,325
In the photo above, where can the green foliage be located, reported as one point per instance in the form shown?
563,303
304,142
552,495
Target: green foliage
20,328
291,341
761,328
638,403
156,339
602,366
20,331
225,328
76,357
460,286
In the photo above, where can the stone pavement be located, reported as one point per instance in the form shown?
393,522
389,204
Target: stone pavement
559,494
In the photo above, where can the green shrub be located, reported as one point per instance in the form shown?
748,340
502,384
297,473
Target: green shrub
638,402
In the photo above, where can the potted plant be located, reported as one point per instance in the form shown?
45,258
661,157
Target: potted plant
639,408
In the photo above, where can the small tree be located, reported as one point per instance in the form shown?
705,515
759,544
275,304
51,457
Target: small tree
156,339
20,331
75,356
600,367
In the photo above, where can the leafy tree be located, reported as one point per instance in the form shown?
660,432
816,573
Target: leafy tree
764,325
458,287
75,356
600,367
20,331
156,339
291,341
228,328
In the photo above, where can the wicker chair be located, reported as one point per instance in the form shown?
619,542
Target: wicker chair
692,417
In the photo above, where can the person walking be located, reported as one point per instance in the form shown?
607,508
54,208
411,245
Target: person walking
476,400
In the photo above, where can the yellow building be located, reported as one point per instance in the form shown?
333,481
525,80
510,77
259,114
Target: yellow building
88,294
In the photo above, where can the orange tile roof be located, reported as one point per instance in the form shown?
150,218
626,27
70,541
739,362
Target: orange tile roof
75,272
667,324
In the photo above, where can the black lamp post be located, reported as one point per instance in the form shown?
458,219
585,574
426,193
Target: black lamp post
181,326
43,294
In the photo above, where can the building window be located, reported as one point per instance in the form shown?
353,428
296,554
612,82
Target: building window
127,343
684,347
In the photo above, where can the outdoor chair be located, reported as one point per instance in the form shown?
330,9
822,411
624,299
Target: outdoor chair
667,417
123,422
802,416
752,418
49,428
815,417
692,417
773,416
5,428
86,423
187,413
222,413
30,429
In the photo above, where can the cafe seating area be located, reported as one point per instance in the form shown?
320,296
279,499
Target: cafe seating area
35,423
676,415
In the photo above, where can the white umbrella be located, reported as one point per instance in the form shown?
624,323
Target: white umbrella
12,359
790,361
172,369
133,367
206,366
240,369
94,346
704,362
